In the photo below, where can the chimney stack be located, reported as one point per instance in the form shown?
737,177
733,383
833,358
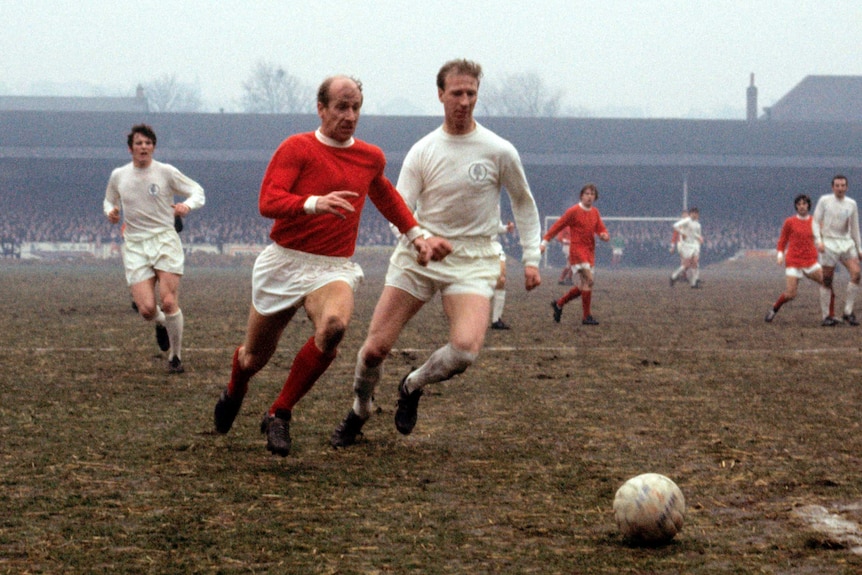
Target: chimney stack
751,94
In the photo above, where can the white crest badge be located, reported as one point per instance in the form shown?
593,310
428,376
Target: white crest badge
478,172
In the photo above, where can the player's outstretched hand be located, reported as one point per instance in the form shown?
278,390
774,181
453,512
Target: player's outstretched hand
532,279
336,203
114,216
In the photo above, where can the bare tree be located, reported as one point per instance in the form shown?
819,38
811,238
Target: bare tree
167,94
523,94
272,90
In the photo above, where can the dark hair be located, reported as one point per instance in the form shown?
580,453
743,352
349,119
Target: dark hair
589,187
461,66
802,198
142,129
838,177
693,211
323,90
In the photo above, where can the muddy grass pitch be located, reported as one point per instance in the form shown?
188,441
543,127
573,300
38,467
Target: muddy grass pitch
111,465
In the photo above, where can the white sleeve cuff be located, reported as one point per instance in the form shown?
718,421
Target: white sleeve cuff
310,205
414,233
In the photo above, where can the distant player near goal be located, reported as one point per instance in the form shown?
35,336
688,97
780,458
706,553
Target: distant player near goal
691,239
584,223
798,252
676,238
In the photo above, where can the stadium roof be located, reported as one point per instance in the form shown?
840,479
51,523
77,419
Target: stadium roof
540,141
820,99
72,104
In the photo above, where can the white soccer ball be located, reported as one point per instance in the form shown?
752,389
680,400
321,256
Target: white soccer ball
649,509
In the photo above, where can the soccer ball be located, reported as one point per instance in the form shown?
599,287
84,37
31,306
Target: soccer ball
649,509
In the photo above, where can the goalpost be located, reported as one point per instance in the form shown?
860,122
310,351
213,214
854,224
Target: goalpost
549,221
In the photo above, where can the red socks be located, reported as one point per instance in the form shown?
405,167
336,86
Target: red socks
586,298
574,293
308,365
570,295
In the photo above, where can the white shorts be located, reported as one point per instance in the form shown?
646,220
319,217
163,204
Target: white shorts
471,268
837,250
283,278
688,251
581,266
163,252
801,272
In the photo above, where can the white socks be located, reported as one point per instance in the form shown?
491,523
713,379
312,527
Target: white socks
852,290
443,364
365,380
825,298
174,325
499,302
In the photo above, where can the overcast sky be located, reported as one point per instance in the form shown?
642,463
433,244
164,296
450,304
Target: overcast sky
637,58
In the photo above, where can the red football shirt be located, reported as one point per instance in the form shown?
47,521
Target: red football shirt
797,242
303,166
583,227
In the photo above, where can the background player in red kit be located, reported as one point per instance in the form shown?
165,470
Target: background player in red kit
314,188
798,252
584,223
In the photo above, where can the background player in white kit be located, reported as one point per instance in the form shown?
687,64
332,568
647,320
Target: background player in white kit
453,179
676,238
838,241
498,302
690,241
144,190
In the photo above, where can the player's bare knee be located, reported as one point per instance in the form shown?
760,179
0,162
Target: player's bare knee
373,355
332,333
170,305
249,361
148,312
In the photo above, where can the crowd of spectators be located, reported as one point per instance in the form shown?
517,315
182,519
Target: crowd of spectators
645,243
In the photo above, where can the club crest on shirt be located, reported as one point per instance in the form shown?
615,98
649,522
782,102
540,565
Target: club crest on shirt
478,172
154,190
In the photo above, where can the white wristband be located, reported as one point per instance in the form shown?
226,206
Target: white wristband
413,233
310,205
